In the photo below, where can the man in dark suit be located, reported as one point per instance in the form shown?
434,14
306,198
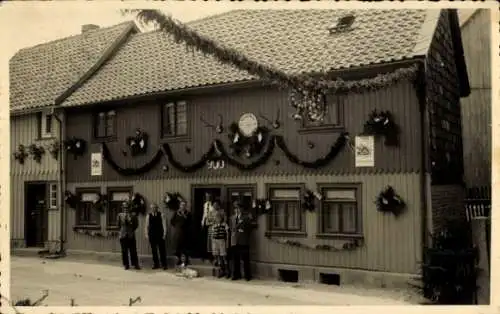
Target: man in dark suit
156,231
241,227
128,223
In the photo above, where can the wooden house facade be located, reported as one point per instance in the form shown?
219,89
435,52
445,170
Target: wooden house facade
476,36
192,113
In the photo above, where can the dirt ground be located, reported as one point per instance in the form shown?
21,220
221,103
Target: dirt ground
93,284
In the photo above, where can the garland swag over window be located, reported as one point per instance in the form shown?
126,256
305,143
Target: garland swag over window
218,152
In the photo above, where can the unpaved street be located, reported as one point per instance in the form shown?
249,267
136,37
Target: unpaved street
93,284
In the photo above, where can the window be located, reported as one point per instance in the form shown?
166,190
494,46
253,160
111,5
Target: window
116,197
332,119
52,196
340,211
343,24
286,213
45,127
174,119
105,124
86,215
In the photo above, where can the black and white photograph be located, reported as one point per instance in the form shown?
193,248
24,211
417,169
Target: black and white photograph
247,154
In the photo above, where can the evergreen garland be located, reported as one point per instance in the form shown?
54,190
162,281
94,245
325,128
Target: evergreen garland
97,233
308,86
320,162
217,152
130,171
347,246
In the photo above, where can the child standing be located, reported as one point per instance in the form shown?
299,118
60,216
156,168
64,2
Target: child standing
219,243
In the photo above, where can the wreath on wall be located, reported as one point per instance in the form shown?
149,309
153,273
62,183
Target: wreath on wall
308,201
138,144
389,202
106,154
382,124
21,154
248,145
261,206
100,203
71,199
349,245
75,146
36,152
138,204
54,149
172,200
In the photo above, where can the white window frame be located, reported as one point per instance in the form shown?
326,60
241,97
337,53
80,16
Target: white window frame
43,125
53,196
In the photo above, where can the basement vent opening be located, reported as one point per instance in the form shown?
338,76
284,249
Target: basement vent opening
288,275
329,279
343,24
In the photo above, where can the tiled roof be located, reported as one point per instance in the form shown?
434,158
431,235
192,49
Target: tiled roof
295,41
39,74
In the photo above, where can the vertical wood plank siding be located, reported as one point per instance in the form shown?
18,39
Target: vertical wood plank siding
390,244
400,99
476,108
24,130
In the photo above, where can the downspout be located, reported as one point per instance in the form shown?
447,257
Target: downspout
61,183
420,85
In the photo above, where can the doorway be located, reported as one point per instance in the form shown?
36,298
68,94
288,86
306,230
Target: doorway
198,234
35,214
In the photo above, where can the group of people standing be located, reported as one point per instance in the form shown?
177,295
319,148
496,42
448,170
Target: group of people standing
227,239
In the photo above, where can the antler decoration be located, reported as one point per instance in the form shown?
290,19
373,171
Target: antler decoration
276,123
219,128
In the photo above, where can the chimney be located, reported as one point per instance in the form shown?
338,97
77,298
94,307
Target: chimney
89,27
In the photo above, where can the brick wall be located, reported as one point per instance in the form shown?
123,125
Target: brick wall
447,203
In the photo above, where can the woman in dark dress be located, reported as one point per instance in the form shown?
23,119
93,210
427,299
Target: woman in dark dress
181,223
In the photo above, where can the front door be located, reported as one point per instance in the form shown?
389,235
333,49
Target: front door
36,220
198,234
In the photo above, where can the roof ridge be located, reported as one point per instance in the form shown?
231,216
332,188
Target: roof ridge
110,50
70,37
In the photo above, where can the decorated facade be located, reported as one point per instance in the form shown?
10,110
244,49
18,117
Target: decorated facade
336,170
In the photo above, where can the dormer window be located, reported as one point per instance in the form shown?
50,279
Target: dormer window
343,24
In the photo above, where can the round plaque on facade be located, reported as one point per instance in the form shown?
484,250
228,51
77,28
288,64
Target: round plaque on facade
248,124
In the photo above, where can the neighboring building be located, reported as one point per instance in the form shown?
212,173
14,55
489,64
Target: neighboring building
153,85
476,108
38,76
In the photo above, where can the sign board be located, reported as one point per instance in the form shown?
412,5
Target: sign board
96,164
364,150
